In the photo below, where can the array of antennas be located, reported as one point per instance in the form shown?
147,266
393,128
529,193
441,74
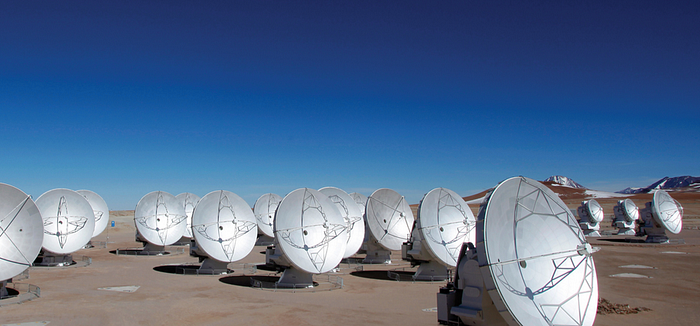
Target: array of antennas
508,270
58,223
661,214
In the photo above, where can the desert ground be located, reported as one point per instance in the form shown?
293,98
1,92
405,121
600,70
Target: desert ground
71,295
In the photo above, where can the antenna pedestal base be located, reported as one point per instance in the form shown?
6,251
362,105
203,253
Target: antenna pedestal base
656,238
294,278
212,267
589,229
151,250
591,233
184,241
264,240
377,254
625,231
655,233
194,249
51,259
274,257
431,271
468,299
3,289
624,227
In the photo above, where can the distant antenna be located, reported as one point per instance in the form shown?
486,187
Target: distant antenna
531,264
444,223
21,231
390,220
99,209
626,213
661,214
189,201
591,214
352,215
311,235
224,231
360,199
160,220
264,211
69,223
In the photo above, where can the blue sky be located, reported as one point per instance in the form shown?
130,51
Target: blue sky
128,97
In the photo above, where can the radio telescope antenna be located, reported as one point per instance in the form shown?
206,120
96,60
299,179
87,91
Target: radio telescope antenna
160,221
389,220
626,213
69,223
361,201
661,214
99,209
264,210
189,201
311,235
531,264
591,214
21,231
224,230
352,215
444,223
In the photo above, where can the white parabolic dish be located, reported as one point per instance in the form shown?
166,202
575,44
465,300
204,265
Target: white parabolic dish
224,226
595,211
99,209
389,218
630,210
667,211
69,221
160,219
446,223
360,199
352,215
310,231
537,256
21,231
189,201
264,210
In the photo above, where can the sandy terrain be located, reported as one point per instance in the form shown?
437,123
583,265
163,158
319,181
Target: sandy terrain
70,296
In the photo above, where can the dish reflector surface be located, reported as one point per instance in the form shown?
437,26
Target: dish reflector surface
310,231
537,256
189,201
630,210
264,210
595,211
446,222
99,209
389,218
667,211
352,215
160,218
69,220
224,226
21,231
361,201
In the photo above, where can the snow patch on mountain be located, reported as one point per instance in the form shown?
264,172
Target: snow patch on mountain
665,183
564,181
604,194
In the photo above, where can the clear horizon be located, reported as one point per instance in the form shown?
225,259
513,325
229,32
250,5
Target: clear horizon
128,98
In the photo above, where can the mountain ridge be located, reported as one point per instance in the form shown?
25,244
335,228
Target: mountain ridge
664,183
564,181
